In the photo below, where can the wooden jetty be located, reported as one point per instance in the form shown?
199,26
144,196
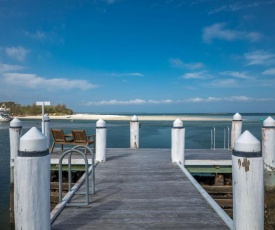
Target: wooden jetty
143,189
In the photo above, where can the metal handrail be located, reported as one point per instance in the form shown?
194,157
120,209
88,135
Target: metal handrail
70,151
213,138
224,137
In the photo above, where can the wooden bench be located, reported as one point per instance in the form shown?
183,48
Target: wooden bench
77,137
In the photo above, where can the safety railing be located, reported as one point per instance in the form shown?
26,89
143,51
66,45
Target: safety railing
77,151
226,137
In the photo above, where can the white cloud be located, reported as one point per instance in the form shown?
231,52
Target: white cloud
9,68
18,53
269,72
239,6
127,75
168,101
217,31
236,74
110,1
260,57
177,63
35,82
197,75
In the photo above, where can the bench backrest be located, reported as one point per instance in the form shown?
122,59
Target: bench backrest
79,136
58,135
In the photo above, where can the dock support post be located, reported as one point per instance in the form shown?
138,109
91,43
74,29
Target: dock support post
178,141
248,184
101,139
47,128
268,148
134,133
15,133
32,182
236,129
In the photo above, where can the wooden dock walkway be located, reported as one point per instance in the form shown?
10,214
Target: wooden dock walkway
140,189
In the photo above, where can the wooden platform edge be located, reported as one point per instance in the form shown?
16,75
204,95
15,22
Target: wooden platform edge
228,221
59,207
208,162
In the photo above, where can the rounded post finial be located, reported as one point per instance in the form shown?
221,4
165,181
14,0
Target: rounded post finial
247,143
33,140
134,118
269,122
100,123
15,123
237,117
177,123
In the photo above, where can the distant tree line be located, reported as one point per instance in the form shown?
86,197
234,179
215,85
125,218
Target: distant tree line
32,110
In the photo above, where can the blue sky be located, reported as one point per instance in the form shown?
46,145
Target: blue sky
114,56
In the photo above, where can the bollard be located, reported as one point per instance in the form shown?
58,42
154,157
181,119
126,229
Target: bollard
268,148
178,141
32,182
248,185
236,129
46,129
101,138
134,133
15,133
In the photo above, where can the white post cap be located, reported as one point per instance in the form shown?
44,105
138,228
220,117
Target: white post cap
237,117
247,143
46,117
269,122
100,123
177,123
15,123
33,141
134,118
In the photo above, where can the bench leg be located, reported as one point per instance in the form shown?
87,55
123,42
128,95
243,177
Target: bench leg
52,147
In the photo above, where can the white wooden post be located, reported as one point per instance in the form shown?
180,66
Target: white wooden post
236,129
248,183
101,139
47,129
178,141
32,182
134,133
268,148
15,133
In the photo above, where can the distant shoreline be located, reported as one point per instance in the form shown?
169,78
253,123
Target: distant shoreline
128,118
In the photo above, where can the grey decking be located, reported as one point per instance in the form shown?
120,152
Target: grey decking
140,189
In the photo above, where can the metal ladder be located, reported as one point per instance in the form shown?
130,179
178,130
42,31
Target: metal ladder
226,133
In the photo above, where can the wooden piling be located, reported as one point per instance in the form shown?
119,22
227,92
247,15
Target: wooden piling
134,133
248,183
236,128
101,139
15,133
32,182
178,141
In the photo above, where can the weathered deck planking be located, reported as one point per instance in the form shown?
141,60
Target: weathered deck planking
140,189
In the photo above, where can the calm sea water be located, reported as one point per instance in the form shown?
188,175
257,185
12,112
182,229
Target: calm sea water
153,134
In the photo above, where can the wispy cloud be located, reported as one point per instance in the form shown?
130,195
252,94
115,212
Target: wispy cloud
110,1
197,75
18,53
168,101
240,6
4,68
38,35
218,31
35,82
223,83
177,63
260,57
127,75
269,72
242,75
